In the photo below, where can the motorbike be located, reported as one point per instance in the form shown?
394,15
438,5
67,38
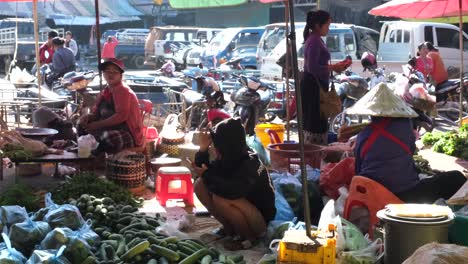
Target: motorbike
251,102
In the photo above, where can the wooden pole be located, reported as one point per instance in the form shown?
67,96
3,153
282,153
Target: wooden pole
287,67
36,42
98,41
460,5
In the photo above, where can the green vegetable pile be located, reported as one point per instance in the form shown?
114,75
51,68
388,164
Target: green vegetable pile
15,151
89,183
423,165
453,143
21,195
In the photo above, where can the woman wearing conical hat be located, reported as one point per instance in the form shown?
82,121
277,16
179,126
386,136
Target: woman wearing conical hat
384,150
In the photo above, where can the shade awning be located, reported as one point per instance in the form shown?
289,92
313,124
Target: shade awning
60,20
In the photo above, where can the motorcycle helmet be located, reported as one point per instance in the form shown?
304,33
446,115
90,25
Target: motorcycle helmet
217,98
368,61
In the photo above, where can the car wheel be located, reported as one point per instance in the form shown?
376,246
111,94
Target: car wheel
139,62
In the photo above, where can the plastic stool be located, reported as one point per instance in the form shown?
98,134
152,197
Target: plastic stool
370,194
164,191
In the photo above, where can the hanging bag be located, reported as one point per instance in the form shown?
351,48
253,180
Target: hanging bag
330,102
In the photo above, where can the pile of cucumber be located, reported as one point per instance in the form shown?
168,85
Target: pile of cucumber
130,237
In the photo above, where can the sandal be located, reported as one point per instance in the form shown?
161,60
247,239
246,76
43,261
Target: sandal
234,245
215,234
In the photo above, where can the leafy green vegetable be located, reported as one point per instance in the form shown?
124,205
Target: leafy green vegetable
89,183
452,143
21,195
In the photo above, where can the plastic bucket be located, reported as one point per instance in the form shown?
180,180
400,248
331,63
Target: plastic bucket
260,131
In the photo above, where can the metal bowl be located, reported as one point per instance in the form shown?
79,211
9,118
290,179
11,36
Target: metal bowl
36,132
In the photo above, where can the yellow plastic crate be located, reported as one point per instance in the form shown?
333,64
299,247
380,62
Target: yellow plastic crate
296,247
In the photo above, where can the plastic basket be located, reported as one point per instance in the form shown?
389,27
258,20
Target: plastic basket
285,156
129,172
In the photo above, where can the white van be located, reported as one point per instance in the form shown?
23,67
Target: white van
399,40
273,34
342,40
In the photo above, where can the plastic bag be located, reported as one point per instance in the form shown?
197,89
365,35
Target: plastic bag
56,238
313,174
328,216
86,144
335,176
284,212
24,236
170,229
340,202
11,214
66,215
462,211
354,239
10,255
290,187
276,229
52,256
434,253
367,255
254,143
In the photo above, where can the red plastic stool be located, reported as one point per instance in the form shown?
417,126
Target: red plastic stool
370,194
168,174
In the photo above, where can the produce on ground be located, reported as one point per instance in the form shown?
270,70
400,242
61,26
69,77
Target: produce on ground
423,166
21,195
454,143
89,183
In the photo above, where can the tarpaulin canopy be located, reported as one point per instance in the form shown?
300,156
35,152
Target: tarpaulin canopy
184,4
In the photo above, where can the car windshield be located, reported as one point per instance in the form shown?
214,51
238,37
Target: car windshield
220,41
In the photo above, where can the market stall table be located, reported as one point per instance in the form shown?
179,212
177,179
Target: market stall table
54,158
15,105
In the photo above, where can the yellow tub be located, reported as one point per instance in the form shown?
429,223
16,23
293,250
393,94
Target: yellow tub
260,131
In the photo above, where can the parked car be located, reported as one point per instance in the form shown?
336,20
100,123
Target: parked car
342,40
223,44
273,34
248,54
131,48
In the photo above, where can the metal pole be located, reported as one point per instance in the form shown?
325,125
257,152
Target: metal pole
299,120
98,41
460,5
36,44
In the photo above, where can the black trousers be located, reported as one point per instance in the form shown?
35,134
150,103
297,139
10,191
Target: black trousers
442,185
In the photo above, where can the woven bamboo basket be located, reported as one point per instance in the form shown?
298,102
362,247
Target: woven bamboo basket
129,172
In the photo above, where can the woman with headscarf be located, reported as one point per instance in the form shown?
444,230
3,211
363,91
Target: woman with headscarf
317,69
235,188
384,150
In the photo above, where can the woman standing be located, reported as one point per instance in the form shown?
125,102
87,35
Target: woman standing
115,120
316,75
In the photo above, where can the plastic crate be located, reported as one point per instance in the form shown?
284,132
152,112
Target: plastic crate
296,247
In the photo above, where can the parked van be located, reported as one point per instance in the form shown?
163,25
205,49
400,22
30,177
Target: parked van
342,40
273,34
162,42
225,42
399,41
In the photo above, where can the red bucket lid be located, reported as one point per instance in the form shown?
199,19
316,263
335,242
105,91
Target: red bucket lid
151,133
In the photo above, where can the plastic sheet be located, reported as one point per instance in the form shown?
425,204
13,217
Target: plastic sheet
284,211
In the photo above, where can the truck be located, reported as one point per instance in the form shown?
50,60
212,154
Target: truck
131,47
395,44
17,37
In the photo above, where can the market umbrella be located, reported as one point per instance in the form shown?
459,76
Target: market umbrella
36,38
184,4
429,9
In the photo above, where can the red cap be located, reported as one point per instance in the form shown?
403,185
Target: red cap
116,62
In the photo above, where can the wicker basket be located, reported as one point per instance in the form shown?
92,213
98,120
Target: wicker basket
285,157
129,172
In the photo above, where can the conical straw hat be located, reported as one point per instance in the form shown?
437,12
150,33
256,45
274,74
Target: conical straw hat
381,101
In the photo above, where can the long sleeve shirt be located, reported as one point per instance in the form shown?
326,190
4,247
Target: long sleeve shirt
63,61
73,46
316,58
42,54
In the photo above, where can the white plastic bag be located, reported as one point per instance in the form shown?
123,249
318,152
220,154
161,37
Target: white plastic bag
340,202
329,216
86,144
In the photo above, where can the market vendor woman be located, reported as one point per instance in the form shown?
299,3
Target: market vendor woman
115,119
235,188
384,150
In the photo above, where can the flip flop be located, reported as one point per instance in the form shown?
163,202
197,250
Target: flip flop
215,234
